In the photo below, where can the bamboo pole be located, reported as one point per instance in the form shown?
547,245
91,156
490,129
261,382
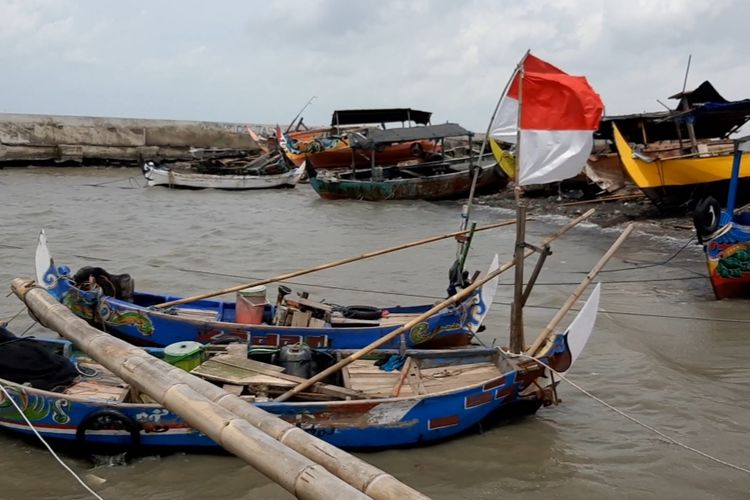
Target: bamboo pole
461,295
299,462
329,265
579,291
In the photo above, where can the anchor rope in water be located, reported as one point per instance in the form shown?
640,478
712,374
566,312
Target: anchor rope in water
131,180
7,321
49,448
630,417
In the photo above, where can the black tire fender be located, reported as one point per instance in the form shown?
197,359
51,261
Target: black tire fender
706,217
109,417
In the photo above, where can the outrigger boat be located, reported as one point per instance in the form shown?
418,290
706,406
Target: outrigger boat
332,148
436,179
109,302
725,235
426,396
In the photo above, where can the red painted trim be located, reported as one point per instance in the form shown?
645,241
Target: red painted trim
477,400
502,394
443,422
492,384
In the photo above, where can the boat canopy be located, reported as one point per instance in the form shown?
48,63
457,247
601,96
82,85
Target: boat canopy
389,115
376,137
712,117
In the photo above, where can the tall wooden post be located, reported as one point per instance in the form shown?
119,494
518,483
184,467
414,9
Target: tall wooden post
516,312
516,325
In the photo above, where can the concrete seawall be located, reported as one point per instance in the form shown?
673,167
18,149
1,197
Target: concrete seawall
44,138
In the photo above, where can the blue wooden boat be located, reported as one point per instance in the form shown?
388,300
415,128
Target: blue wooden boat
433,396
134,318
725,235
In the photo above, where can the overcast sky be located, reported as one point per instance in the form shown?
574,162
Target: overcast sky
260,62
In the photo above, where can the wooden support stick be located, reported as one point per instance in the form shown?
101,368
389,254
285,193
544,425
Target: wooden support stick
336,263
578,291
302,464
544,252
453,299
401,377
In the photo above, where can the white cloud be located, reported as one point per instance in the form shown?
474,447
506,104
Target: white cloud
261,61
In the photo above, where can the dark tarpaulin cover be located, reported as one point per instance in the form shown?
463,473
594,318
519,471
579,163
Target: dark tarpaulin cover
407,134
712,117
390,115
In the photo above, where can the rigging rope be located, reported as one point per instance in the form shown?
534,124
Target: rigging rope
632,418
49,448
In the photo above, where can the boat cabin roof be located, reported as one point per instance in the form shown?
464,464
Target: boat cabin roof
386,115
712,117
407,134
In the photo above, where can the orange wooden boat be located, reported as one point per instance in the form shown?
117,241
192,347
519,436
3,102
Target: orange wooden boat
329,148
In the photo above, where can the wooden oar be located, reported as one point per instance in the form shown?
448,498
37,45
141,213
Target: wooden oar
336,263
453,299
578,291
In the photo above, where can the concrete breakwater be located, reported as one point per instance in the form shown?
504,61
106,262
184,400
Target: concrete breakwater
26,139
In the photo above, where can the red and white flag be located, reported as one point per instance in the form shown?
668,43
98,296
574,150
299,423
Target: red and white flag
559,113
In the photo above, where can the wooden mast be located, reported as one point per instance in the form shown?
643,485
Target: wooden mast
516,312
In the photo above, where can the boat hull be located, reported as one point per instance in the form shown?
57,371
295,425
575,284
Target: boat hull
438,187
674,182
728,260
341,157
376,423
164,177
141,324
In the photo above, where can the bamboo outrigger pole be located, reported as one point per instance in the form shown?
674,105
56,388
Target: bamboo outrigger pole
453,299
578,292
336,263
302,464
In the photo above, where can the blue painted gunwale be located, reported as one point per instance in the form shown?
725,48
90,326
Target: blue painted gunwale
358,424
143,325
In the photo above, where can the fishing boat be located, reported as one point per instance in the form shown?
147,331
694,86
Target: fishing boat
391,399
110,302
164,175
725,235
682,155
332,148
437,179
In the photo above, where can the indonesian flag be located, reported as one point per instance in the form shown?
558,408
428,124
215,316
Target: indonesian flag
559,113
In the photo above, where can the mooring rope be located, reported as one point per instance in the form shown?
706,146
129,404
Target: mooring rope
630,417
131,180
31,426
6,322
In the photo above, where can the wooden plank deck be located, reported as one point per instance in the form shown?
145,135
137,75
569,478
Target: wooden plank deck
364,376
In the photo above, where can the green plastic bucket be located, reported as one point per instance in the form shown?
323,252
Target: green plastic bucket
185,355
